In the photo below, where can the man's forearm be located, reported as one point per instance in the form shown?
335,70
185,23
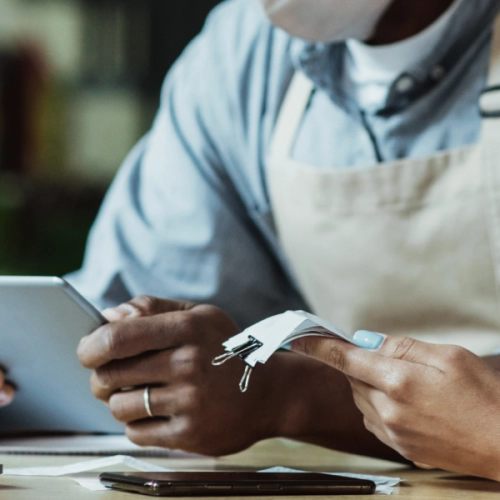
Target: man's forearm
321,410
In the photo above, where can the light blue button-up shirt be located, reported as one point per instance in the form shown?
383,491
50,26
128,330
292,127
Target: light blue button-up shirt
188,215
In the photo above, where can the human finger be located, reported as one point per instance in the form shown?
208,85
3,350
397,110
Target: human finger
125,339
372,421
366,405
148,368
402,348
133,405
390,367
145,305
167,433
366,366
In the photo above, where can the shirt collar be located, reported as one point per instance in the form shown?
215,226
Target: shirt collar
469,25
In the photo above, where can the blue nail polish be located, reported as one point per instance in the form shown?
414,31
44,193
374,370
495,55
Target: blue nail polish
368,340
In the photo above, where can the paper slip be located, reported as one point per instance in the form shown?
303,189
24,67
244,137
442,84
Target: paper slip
86,466
259,342
90,482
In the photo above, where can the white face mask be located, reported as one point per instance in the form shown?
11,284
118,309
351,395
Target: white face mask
326,20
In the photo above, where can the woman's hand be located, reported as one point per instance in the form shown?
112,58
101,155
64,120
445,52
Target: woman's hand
437,405
169,346
6,391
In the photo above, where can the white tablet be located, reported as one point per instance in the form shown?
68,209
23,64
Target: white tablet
41,323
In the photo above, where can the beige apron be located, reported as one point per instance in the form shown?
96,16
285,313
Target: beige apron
409,247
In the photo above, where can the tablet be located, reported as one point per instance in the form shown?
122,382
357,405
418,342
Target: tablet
41,323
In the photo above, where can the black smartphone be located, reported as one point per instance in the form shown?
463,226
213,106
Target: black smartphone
199,484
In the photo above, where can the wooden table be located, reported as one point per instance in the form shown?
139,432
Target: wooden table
435,485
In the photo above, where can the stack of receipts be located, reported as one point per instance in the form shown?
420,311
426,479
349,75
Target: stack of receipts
259,342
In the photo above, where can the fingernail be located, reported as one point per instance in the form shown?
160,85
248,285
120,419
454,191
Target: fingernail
368,340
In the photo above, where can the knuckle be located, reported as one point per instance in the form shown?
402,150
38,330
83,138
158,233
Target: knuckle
96,387
178,437
187,435
324,350
104,377
139,438
187,362
399,386
403,348
456,355
368,425
407,450
393,418
334,356
118,408
113,337
190,399
144,305
216,316
304,346
209,310
188,322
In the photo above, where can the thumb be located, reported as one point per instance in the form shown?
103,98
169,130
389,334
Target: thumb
403,348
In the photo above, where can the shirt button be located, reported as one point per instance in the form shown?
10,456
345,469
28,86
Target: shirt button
405,84
437,73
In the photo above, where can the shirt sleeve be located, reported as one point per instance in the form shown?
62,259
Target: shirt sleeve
175,224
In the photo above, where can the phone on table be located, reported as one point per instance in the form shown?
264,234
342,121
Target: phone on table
199,484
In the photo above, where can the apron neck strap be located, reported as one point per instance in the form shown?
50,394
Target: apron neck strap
292,110
489,103
494,74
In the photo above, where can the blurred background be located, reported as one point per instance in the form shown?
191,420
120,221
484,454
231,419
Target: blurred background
79,84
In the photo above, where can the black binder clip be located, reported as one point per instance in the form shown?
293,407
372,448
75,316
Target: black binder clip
241,351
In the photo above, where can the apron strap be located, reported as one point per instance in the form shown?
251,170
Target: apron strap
292,111
494,74
490,111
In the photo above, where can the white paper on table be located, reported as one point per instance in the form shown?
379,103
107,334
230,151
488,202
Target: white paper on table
277,331
90,482
385,485
89,465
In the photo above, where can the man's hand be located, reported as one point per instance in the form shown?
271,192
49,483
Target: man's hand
437,405
6,391
169,346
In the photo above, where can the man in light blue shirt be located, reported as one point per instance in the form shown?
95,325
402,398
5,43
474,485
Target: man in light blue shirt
189,216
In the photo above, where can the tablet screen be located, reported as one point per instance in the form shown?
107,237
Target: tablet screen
41,322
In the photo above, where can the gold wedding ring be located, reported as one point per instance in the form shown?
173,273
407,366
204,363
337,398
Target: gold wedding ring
147,404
